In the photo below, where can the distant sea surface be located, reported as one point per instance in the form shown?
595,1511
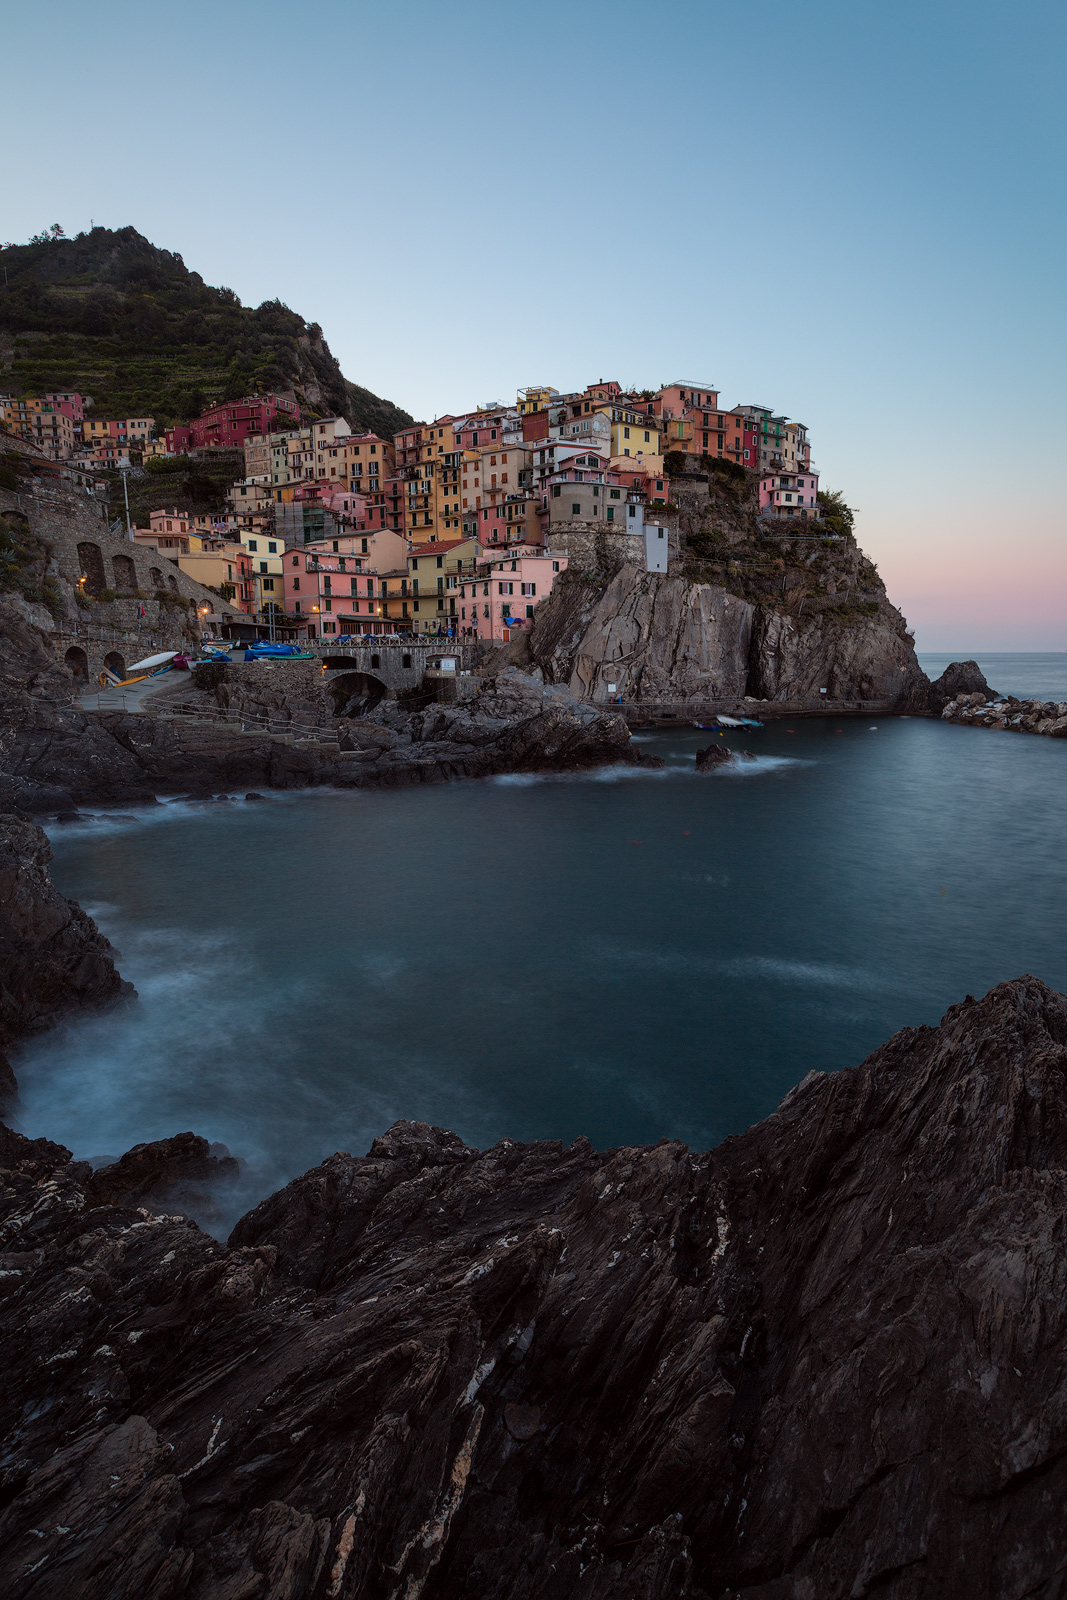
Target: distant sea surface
1029,676
623,954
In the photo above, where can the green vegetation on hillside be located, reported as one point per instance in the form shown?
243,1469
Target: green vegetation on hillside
112,316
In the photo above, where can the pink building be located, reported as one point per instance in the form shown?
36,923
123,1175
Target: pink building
500,600
228,425
334,594
787,494
675,399
72,404
177,439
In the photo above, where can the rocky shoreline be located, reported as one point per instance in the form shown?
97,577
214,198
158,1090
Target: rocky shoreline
821,1360
818,1361
978,710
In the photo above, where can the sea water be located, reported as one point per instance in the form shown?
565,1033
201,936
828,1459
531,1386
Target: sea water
625,954
1027,675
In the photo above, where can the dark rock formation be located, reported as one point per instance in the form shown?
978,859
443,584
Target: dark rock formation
959,677
53,958
54,756
163,1172
822,1361
713,755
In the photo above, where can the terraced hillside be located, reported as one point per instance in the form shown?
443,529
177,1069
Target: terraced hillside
111,315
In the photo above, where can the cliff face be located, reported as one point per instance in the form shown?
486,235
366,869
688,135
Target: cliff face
822,1361
747,609
53,958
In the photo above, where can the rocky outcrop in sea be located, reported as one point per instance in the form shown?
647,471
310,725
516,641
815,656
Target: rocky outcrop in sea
978,710
822,1360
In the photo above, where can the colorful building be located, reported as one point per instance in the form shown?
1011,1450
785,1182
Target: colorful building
498,600
675,399
226,568
790,494
227,425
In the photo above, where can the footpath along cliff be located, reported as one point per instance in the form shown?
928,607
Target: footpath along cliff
821,1361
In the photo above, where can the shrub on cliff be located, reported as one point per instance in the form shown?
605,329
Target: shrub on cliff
836,514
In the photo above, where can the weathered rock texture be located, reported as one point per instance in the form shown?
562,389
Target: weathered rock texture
54,756
979,710
752,609
822,1361
53,958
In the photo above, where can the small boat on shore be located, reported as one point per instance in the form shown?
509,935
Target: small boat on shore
728,722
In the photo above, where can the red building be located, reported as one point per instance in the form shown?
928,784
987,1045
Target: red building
227,426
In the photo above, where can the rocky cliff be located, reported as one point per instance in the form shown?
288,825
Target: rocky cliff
822,1361
774,612
53,958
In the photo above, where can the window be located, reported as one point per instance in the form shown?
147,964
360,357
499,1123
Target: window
252,544
576,511
296,585
529,611
611,513
626,433
615,494
272,546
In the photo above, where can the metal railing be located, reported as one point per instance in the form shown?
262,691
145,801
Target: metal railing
248,722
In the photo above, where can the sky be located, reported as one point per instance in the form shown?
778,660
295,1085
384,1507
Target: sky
851,212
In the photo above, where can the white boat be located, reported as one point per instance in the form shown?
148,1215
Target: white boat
151,661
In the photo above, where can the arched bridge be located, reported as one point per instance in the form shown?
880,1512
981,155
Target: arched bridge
398,666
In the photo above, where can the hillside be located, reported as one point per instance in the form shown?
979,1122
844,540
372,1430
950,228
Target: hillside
112,316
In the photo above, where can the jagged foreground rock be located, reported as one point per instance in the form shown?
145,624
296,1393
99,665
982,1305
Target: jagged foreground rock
823,1360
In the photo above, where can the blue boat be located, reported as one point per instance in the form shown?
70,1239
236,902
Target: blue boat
265,651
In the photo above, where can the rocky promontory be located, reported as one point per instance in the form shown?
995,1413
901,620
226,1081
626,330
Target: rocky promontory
749,608
820,1361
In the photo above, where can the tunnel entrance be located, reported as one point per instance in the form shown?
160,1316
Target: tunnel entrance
355,693
78,662
115,663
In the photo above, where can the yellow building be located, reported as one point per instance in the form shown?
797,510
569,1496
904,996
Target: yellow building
266,554
633,433
536,398
41,423
434,576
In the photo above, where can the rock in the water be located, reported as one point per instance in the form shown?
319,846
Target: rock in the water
160,1172
822,1360
713,755
53,958
959,677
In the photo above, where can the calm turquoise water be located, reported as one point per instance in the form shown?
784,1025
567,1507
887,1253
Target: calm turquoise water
624,956
1037,676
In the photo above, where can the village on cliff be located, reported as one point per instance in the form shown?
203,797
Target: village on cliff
456,528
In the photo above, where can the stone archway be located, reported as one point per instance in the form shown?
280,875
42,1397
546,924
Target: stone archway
116,663
125,574
91,562
78,662
355,693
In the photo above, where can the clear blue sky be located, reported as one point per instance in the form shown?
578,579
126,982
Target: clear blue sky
849,211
